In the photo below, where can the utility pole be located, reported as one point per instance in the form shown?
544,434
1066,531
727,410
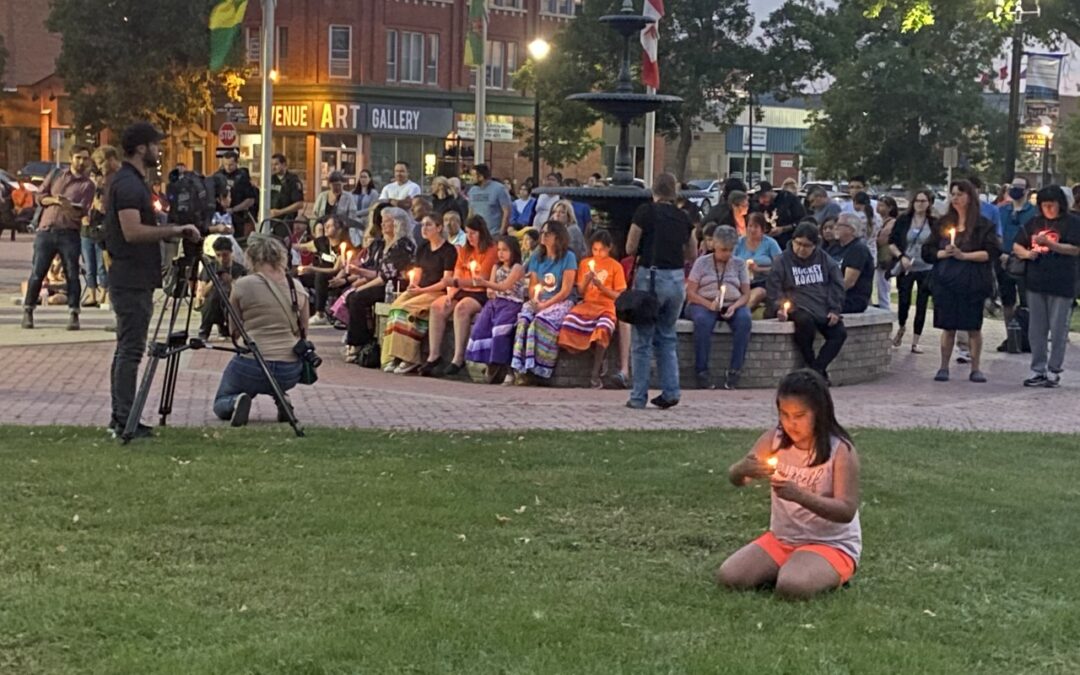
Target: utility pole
1013,139
266,117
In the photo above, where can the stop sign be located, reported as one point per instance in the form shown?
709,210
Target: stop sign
227,136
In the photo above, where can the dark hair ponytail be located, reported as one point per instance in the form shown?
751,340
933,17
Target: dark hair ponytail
811,388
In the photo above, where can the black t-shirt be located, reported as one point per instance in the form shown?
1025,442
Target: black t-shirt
857,255
434,264
236,270
135,266
240,187
1051,273
285,190
671,227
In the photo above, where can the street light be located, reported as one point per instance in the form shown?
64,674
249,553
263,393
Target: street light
1048,134
538,50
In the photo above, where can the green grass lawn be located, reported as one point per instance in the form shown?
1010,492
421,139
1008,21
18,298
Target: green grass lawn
352,552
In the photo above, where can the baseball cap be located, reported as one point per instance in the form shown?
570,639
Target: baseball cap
336,177
139,133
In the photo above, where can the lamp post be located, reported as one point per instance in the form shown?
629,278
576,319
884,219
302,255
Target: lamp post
538,50
1048,134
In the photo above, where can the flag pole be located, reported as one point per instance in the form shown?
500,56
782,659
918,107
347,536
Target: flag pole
650,144
266,117
481,97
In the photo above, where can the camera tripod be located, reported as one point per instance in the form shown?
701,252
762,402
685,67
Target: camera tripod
176,342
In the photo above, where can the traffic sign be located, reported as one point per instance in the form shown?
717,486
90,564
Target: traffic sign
952,157
227,136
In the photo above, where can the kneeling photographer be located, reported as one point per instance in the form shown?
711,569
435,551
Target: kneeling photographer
276,319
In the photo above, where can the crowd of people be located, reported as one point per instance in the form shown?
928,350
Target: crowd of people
520,281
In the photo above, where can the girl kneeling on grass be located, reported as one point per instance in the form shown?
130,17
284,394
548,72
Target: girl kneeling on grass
591,322
814,538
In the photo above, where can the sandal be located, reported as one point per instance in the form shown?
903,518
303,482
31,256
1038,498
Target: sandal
899,339
620,380
596,383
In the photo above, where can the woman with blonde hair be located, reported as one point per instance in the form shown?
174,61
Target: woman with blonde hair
264,303
444,198
563,212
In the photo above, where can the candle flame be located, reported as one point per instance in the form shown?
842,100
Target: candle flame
787,305
592,265
772,461
472,266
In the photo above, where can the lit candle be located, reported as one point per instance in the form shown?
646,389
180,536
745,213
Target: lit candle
472,267
772,462
723,293
592,265
536,292
157,206
952,236
412,276
787,306
750,264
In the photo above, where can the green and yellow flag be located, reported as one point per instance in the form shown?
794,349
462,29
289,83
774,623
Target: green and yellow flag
225,20
474,41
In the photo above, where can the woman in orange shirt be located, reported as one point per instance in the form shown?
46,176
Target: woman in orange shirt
463,300
600,280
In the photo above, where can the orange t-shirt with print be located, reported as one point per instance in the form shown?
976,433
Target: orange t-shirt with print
484,262
609,272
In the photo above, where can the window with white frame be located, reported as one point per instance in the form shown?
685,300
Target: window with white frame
507,4
341,51
493,60
560,7
391,56
253,47
412,57
511,64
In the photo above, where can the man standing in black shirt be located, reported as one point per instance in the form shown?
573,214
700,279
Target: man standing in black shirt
782,209
286,190
132,238
243,193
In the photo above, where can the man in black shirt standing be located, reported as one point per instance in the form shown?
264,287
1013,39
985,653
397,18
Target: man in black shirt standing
243,193
132,238
782,209
286,190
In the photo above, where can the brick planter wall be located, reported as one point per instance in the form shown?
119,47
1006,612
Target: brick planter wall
866,355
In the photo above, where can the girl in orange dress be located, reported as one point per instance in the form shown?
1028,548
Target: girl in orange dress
600,280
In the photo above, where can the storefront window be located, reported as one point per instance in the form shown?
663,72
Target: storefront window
338,152
388,150
293,146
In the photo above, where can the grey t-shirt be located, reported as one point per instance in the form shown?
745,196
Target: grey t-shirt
707,271
488,201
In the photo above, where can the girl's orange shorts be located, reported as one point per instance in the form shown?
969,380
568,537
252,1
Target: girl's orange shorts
780,552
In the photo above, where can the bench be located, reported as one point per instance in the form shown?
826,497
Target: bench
866,355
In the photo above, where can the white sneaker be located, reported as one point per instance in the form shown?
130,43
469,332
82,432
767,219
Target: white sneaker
404,368
317,320
390,366
963,356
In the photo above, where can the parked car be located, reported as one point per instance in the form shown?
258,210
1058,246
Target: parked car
37,172
711,188
901,194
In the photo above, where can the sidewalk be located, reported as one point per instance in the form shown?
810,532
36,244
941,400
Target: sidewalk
52,376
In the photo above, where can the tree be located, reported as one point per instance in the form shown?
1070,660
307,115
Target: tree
126,60
706,52
1067,141
898,95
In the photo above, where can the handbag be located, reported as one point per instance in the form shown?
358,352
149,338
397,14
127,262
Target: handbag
1015,266
640,308
309,360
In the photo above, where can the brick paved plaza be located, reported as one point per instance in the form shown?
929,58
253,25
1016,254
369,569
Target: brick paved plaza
52,376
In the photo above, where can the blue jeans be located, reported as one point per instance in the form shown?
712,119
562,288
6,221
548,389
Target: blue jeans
47,243
244,376
95,263
705,321
659,337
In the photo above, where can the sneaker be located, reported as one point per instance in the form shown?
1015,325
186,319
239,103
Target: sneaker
731,381
429,367
942,376
663,403
1053,380
390,366
73,321
452,370
141,431
90,301
1003,347
1036,380
317,320
977,376
240,410
704,381
28,319
404,368
635,406
963,356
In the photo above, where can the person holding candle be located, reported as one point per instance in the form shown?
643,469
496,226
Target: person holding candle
370,288
810,280
1050,243
718,288
962,249
464,298
407,323
551,276
758,250
736,216
331,249
909,235
491,341
814,540
600,280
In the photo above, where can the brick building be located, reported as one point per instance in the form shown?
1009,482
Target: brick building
362,84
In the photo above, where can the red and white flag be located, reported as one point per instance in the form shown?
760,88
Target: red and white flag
650,37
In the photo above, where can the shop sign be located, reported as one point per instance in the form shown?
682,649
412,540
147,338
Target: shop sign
407,120
497,127
358,117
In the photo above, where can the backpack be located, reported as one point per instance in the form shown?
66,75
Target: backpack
192,199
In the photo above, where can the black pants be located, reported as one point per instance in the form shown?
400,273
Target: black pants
213,314
134,308
320,283
361,306
47,243
905,285
806,329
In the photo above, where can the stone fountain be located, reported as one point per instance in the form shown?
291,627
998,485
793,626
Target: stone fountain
622,197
